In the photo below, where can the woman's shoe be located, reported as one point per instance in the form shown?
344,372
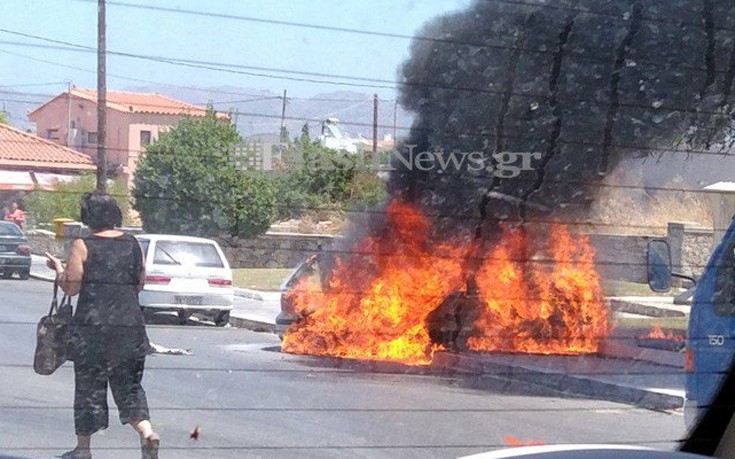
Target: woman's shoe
149,449
77,453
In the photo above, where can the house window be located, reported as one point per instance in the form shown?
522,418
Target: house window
92,137
52,134
145,138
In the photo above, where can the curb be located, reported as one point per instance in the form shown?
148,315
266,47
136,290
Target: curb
560,382
247,293
618,305
627,351
42,277
252,325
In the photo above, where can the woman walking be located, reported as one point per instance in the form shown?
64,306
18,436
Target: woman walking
108,339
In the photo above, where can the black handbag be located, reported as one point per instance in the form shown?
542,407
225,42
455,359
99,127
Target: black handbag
52,336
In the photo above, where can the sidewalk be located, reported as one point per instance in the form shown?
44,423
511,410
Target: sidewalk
623,380
39,270
632,382
256,310
651,306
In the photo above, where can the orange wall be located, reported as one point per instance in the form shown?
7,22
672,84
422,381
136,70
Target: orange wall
123,129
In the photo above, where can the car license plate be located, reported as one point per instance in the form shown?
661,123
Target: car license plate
189,300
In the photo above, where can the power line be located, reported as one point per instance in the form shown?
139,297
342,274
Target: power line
384,447
121,77
31,84
385,84
429,214
449,41
348,410
632,149
219,67
348,361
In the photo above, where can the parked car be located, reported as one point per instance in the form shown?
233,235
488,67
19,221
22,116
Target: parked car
15,253
186,275
307,268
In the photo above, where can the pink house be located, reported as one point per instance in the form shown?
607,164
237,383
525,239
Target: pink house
133,121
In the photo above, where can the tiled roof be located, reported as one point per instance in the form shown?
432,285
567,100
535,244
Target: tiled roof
138,102
18,148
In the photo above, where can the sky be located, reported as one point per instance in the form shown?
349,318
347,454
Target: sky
137,27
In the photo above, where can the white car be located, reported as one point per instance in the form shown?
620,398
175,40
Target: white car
185,275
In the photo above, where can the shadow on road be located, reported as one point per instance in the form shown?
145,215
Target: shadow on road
489,383
170,318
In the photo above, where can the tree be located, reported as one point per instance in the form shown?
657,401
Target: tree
187,182
64,202
583,84
4,118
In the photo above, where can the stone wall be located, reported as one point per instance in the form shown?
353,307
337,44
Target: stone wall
42,241
623,257
691,247
617,256
272,250
620,256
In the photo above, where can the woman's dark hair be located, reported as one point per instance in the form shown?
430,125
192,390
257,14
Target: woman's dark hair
99,211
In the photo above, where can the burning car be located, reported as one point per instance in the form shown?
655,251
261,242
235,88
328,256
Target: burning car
399,295
306,271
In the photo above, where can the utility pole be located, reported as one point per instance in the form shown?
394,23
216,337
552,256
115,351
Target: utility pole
101,99
283,118
375,126
395,126
68,114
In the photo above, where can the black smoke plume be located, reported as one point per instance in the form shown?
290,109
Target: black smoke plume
581,84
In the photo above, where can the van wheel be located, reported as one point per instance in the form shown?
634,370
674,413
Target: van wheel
222,318
7,274
184,317
25,274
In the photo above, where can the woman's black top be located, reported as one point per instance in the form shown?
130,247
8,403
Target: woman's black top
108,321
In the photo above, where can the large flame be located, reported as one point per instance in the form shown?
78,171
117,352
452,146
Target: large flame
544,303
379,300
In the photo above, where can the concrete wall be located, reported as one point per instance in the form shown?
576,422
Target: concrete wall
623,257
618,257
273,250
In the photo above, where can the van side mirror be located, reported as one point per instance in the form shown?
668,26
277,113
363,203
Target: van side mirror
658,265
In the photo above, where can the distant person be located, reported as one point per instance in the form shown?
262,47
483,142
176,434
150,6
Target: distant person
108,339
15,215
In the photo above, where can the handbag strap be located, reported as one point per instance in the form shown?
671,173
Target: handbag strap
55,300
55,305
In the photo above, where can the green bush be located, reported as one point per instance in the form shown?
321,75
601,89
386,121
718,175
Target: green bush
320,178
368,190
187,183
64,202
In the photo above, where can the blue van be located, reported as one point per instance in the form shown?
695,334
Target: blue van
711,335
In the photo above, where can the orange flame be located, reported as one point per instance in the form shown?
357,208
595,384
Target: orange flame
543,304
658,333
378,302
510,440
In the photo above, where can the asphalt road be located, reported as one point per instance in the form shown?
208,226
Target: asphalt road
252,401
